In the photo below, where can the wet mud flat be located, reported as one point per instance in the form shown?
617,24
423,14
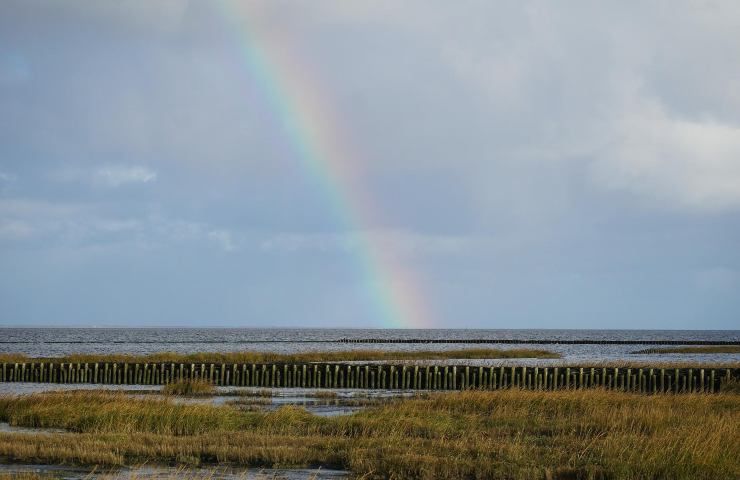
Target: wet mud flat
153,472
5,427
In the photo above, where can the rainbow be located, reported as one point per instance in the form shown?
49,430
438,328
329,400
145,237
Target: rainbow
304,112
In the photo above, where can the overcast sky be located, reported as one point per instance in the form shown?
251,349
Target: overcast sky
535,164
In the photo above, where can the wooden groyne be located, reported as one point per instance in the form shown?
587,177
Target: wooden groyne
540,342
376,376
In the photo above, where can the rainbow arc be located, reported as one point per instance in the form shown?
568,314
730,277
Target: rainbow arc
303,110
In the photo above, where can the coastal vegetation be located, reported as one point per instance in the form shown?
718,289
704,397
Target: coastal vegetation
272,357
699,349
471,434
190,387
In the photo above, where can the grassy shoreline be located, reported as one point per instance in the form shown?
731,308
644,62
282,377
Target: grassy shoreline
716,349
270,357
473,434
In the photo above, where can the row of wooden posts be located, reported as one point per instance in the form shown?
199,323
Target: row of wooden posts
375,376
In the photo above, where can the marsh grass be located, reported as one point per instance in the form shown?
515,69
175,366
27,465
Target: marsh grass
731,386
190,388
509,434
269,357
699,349
250,401
657,363
322,394
259,392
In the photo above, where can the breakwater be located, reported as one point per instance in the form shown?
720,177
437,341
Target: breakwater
376,376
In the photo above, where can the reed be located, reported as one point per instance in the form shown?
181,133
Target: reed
106,412
190,388
700,349
261,392
473,434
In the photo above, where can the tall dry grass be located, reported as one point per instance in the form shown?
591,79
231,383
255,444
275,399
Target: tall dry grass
472,434
698,349
190,387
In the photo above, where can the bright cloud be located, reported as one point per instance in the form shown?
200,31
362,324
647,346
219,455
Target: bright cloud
681,162
223,239
119,175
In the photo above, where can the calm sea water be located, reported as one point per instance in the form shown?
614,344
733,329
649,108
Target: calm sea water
63,341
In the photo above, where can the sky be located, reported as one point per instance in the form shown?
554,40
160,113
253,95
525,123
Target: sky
477,164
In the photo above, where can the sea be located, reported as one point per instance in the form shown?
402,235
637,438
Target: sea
51,342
